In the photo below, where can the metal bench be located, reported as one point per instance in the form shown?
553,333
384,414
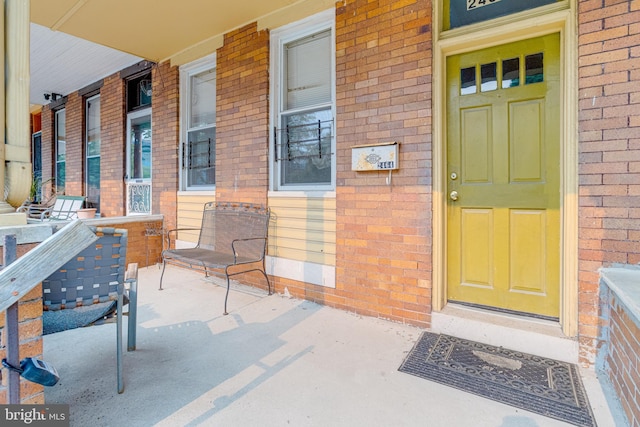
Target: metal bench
95,275
233,238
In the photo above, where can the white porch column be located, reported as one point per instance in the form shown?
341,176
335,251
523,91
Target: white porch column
17,147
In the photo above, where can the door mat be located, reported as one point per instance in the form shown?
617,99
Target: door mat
544,386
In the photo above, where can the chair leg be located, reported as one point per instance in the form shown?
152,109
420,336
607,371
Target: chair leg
133,316
119,341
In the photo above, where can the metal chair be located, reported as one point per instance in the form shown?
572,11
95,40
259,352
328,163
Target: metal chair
97,275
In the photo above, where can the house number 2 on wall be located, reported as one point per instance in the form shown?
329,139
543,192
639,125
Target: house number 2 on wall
474,4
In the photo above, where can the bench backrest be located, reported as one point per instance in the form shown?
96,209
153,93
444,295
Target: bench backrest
224,222
90,277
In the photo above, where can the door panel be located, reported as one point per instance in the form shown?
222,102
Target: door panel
477,244
503,157
476,147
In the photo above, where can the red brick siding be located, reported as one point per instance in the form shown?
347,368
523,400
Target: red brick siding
242,122
609,148
113,119
112,146
75,145
166,137
623,360
383,91
142,248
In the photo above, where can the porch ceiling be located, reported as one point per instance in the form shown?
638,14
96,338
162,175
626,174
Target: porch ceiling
152,29
77,42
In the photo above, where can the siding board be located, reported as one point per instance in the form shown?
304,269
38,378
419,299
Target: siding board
303,229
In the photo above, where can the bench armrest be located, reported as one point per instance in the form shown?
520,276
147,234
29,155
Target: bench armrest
235,252
167,235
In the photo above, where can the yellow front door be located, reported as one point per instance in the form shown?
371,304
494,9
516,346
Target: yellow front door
503,175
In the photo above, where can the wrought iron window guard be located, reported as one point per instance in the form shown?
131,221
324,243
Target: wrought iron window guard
292,140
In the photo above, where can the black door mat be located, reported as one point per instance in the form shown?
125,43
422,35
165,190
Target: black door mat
544,386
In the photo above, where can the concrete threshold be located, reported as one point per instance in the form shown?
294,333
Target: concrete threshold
526,334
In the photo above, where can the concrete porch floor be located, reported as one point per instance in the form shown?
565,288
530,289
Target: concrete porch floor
273,361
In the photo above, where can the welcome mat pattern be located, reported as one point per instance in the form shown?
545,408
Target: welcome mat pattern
536,384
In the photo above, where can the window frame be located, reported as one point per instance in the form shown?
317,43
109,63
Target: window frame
56,141
187,71
318,23
88,201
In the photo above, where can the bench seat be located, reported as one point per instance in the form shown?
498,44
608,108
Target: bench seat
232,238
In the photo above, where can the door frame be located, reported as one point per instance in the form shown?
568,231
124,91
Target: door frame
555,18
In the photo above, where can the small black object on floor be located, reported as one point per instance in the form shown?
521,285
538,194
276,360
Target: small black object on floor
544,386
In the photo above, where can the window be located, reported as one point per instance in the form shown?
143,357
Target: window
139,91
60,149
92,138
304,140
199,124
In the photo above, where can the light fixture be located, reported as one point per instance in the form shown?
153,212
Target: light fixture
53,96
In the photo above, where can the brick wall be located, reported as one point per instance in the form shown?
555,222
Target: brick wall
619,353
165,125
112,146
143,247
166,137
75,145
609,148
383,91
242,122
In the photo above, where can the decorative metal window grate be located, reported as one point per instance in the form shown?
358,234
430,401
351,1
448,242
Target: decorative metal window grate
200,156
304,141
139,198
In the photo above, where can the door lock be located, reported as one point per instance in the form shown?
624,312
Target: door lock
453,195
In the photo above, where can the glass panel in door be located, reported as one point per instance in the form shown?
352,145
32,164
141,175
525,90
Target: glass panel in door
139,163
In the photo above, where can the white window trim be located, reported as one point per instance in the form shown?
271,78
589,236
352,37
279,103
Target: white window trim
279,37
186,71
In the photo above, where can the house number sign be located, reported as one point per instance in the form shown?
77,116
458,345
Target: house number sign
466,12
474,4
